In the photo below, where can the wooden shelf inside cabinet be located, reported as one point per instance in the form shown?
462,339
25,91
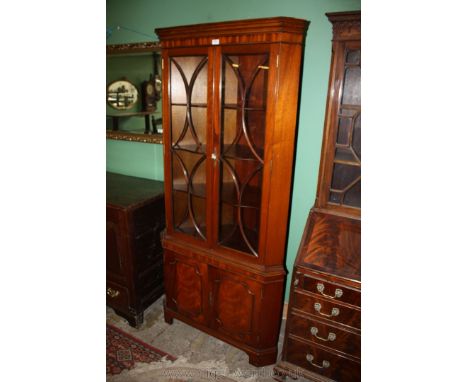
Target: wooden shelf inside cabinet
241,107
233,236
190,148
244,197
196,189
242,152
190,230
250,197
192,104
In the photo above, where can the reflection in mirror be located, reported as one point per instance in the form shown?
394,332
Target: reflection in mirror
133,96
122,95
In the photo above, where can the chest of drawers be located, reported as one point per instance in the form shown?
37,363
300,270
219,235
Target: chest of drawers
134,262
323,330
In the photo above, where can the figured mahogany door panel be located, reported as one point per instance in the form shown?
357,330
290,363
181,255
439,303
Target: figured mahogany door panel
242,129
185,286
189,141
332,244
317,360
235,301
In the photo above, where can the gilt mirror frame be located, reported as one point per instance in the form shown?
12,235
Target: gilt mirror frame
134,48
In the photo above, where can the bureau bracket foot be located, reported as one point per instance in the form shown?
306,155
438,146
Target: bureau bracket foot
262,359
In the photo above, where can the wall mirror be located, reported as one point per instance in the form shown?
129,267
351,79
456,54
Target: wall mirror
133,92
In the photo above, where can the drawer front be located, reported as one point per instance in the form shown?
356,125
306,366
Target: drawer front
149,217
117,296
327,289
150,278
325,335
116,249
327,309
147,250
316,360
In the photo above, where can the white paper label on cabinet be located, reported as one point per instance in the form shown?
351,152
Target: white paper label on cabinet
215,41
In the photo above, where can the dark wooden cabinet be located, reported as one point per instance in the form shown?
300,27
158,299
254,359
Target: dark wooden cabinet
230,94
323,329
134,259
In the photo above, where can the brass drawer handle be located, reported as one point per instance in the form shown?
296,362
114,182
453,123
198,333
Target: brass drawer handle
112,293
321,288
335,311
310,358
331,335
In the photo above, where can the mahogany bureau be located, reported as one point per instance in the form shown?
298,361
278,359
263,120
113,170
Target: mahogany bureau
323,330
134,220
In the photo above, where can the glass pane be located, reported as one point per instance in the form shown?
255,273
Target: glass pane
344,180
188,97
353,196
243,108
344,128
356,145
352,86
346,176
353,57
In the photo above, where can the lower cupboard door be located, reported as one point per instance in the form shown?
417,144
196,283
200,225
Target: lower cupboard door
235,302
185,286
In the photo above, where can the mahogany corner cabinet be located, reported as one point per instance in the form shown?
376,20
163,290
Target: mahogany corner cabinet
230,100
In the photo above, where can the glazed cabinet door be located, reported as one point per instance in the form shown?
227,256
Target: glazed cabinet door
341,164
235,303
187,145
186,286
244,76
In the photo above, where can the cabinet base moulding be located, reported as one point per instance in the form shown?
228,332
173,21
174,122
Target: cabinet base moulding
257,357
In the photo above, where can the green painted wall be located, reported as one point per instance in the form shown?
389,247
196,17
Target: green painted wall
145,160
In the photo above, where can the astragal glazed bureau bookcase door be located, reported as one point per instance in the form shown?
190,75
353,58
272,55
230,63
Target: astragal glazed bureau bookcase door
230,94
323,329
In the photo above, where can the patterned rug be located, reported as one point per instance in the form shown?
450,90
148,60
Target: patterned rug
124,350
181,370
